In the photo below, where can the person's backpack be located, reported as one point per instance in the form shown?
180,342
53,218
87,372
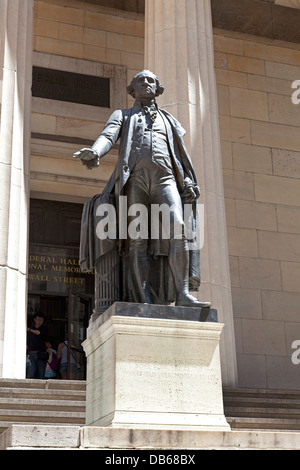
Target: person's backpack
54,364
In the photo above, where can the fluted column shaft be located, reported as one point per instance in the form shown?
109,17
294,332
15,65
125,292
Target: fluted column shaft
179,50
16,17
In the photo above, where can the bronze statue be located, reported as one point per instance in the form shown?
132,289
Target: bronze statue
153,168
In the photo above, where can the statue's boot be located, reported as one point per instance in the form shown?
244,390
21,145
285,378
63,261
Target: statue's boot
140,276
179,265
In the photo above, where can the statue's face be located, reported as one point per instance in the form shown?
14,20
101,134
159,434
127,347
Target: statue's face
145,86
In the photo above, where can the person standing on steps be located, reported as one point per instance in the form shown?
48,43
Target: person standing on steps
36,348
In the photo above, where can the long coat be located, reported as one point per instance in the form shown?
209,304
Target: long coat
125,125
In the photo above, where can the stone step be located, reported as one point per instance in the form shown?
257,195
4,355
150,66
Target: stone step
44,384
53,418
266,424
264,402
116,440
260,412
55,402
46,394
41,404
42,416
65,418
261,393
262,409
5,425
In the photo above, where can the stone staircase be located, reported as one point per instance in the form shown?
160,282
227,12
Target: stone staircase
62,402
29,401
260,409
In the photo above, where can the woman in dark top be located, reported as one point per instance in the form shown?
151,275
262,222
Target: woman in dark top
36,348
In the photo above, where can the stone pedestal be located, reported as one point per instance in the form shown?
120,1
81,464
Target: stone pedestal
147,371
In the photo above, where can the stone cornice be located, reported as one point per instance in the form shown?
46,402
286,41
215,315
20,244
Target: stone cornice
288,3
258,18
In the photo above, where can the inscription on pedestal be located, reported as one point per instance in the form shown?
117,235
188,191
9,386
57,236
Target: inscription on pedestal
164,379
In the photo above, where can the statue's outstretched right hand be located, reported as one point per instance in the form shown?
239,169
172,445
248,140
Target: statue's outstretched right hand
88,157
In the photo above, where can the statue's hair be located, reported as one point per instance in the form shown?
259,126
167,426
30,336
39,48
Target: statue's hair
159,88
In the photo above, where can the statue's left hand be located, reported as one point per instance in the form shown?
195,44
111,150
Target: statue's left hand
190,193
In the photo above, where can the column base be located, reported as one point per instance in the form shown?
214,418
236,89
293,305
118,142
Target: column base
154,372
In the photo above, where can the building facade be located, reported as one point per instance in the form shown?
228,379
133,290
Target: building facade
231,71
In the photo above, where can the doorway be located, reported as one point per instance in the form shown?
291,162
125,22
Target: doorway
66,319
56,285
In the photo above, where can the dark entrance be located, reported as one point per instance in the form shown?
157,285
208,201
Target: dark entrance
56,285
66,319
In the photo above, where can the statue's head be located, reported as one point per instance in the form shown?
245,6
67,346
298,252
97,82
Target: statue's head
145,84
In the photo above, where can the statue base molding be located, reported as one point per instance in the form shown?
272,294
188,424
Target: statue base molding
146,370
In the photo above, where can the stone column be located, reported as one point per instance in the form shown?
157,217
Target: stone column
16,18
179,49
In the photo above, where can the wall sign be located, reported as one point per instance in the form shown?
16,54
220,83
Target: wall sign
55,268
70,87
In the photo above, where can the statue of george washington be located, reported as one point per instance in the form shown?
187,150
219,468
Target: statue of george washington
153,168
